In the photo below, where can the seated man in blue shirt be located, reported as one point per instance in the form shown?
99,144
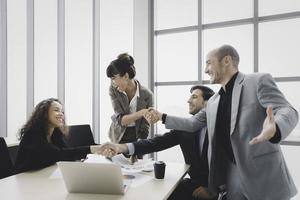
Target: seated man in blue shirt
193,146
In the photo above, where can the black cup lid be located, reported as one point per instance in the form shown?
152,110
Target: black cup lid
160,163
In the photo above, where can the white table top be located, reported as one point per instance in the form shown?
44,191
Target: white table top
38,185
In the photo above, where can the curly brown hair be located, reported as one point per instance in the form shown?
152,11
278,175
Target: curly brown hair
38,121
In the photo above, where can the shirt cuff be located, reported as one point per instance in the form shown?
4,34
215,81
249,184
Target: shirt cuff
131,148
277,137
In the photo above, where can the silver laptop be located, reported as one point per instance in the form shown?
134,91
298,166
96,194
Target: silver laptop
99,178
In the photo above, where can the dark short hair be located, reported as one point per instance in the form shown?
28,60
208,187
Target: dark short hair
206,91
228,50
122,65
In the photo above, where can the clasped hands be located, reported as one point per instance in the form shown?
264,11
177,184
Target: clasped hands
152,116
110,149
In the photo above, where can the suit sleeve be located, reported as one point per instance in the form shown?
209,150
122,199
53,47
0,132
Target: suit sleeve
117,107
286,117
191,124
36,153
52,153
158,143
116,128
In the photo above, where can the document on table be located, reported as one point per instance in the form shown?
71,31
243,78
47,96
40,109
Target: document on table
56,174
136,179
140,165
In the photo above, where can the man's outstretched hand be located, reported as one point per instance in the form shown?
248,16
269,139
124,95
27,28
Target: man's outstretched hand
269,128
110,149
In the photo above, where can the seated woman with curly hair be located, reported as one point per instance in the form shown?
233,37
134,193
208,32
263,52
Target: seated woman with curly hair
42,139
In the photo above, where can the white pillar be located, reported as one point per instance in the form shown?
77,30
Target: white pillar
142,41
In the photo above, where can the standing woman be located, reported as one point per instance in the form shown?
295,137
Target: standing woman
42,139
130,101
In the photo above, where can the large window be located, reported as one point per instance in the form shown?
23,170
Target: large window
61,49
265,34
176,57
184,11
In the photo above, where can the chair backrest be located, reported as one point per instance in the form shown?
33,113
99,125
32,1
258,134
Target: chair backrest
6,166
80,135
13,152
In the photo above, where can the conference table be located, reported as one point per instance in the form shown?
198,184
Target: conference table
40,185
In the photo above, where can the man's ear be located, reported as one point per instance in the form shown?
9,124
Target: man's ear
205,104
227,60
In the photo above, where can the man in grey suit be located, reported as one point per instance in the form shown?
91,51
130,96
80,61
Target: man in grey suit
246,120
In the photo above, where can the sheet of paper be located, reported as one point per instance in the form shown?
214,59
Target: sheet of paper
56,174
127,167
136,179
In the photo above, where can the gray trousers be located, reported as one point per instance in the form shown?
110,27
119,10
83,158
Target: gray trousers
233,185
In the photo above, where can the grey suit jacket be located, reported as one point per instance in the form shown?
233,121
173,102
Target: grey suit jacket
263,171
120,105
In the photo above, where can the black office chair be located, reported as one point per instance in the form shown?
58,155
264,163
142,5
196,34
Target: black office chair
80,135
6,166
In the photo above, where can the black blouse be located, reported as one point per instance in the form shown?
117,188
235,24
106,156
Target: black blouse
35,152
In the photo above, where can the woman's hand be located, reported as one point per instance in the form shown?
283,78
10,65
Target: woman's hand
109,149
152,116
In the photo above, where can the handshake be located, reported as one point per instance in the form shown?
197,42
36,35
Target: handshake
109,149
151,115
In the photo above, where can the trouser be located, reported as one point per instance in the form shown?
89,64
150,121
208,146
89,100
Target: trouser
128,137
234,187
234,191
185,189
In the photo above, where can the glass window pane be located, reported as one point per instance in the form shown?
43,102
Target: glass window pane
218,11
45,49
240,37
177,57
168,101
290,156
271,7
184,11
116,16
289,89
16,69
279,48
79,63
